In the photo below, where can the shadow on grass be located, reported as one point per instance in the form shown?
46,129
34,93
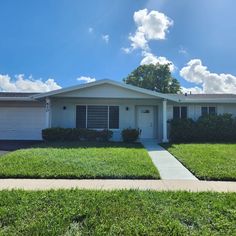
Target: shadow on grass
86,144
172,145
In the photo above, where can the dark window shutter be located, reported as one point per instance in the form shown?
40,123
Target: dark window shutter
212,110
184,112
176,113
81,117
204,111
113,117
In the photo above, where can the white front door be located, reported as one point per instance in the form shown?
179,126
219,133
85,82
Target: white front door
145,118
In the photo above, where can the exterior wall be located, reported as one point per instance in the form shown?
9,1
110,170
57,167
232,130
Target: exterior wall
127,119
105,91
194,110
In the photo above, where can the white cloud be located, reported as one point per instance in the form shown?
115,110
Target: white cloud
90,30
20,84
151,25
106,38
193,90
86,79
149,58
195,72
126,50
183,51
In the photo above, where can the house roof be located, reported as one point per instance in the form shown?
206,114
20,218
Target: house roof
201,98
16,96
100,82
181,98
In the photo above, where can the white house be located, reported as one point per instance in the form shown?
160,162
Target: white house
103,104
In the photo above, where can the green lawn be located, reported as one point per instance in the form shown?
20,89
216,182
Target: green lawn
79,160
80,212
207,161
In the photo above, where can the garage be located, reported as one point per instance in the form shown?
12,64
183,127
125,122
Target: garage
20,117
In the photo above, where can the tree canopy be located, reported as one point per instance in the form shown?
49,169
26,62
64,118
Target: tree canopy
154,77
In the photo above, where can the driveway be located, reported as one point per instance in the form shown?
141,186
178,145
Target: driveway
11,145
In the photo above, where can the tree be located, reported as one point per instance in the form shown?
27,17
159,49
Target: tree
154,77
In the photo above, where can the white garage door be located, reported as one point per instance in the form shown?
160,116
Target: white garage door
21,123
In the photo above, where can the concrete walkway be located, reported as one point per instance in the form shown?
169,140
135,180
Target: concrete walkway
168,166
156,185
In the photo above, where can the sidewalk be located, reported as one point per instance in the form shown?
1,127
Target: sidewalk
157,185
168,166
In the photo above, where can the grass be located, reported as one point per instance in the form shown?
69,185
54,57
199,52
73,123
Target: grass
80,212
207,161
79,160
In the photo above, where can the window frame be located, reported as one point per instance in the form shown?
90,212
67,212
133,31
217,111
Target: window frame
180,112
108,114
208,110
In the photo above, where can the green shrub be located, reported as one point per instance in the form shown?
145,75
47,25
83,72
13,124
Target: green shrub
211,128
59,134
181,130
73,134
130,135
104,135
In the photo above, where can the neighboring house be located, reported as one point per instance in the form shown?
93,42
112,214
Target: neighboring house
103,104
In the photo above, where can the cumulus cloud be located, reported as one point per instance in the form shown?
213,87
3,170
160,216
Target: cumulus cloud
183,50
151,25
106,38
86,79
196,72
149,58
193,90
21,84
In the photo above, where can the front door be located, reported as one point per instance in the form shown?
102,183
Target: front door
145,120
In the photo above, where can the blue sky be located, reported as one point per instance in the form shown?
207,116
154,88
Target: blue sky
64,40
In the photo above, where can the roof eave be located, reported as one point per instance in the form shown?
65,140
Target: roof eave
217,100
27,99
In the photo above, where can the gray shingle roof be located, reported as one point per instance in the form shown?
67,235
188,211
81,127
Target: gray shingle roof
210,96
16,95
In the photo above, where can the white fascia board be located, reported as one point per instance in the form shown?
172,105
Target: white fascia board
226,100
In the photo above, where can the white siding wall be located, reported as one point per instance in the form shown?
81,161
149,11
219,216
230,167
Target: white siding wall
127,119
194,110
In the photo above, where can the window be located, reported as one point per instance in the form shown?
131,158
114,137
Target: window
176,112
97,117
204,111
212,110
179,112
208,111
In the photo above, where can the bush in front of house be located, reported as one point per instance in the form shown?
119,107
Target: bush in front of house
211,128
130,135
181,130
74,134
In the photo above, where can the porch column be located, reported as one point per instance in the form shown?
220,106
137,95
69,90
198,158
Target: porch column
164,120
48,111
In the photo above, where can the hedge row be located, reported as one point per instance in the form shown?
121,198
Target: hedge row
212,128
73,134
